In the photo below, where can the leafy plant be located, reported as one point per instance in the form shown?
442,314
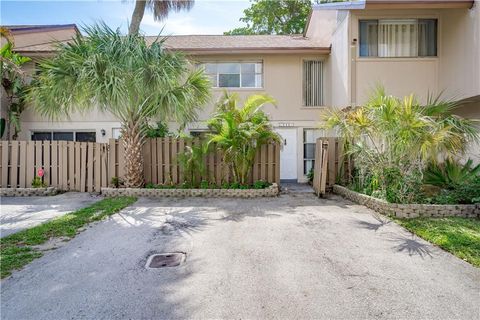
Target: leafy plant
204,184
116,182
260,184
14,82
240,131
133,79
450,173
392,140
37,182
193,162
159,131
310,176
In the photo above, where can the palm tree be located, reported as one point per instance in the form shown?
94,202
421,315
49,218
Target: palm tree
160,9
240,131
125,76
392,139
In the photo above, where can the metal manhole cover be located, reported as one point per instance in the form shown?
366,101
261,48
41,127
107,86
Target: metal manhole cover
162,260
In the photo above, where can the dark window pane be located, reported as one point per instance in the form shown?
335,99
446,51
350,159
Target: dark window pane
248,80
64,136
41,136
309,151
427,37
368,38
229,80
86,136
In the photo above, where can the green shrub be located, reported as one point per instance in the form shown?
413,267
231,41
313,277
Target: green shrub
38,183
310,175
466,193
160,131
204,184
234,185
260,184
116,182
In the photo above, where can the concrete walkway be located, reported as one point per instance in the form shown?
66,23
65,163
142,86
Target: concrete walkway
292,257
18,213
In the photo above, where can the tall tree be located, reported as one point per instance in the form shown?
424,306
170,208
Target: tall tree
276,17
160,9
126,76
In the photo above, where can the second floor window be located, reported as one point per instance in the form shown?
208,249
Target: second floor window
312,83
398,38
235,74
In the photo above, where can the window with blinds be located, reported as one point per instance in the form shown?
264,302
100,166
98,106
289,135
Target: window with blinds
398,38
312,83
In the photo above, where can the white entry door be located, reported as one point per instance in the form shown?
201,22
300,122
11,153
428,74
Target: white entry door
288,154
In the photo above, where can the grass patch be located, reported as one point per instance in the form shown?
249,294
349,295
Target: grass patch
16,250
460,236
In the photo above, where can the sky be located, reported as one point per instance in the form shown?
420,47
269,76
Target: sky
206,17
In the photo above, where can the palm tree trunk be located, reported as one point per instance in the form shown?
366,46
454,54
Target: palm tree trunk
137,16
133,142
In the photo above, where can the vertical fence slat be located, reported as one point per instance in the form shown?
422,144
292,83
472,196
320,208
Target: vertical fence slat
121,159
160,159
331,162
83,169
64,164
38,156
5,156
104,165
70,163
14,164
30,162
23,164
277,163
54,167
174,161
263,161
90,182
111,160
166,159
76,164
270,161
47,163
97,168
181,150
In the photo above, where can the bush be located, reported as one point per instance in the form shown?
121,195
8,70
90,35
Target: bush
467,193
160,131
310,176
260,184
38,183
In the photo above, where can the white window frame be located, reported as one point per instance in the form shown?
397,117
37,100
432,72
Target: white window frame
215,85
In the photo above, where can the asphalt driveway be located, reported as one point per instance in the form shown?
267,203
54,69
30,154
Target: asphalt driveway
292,257
18,213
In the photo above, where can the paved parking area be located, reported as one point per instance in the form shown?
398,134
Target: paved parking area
291,257
18,213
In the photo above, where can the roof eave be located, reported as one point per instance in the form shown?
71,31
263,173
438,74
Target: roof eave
212,51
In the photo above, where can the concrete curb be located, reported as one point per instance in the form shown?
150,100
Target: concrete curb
271,191
409,210
28,192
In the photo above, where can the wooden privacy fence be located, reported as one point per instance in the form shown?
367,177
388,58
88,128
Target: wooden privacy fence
331,164
67,165
88,166
161,165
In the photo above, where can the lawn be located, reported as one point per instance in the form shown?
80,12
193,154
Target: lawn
17,249
459,236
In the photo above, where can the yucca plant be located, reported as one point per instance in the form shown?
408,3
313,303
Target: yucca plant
240,131
451,174
123,75
393,139
193,163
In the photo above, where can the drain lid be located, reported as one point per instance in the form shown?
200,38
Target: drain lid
162,260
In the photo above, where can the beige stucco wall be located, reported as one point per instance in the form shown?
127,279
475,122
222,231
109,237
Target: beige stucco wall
339,65
455,71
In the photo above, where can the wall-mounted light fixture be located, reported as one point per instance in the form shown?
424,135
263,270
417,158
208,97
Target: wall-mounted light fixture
103,132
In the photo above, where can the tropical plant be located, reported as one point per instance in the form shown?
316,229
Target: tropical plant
14,82
193,163
160,130
240,131
392,140
125,76
160,9
451,173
